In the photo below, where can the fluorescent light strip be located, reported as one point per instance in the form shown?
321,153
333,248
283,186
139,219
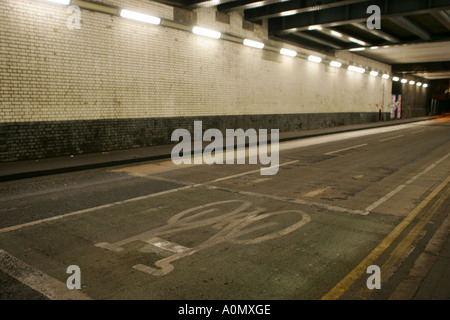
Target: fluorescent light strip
287,52
315,59
356,69
385,76
253,44
404,81
419,84
396,79
139,17
412,82
335,64
312,28
63,2
357,49
357,41
206,33
373,73
336,34
425,85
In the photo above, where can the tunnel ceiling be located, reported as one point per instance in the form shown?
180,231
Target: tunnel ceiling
414,35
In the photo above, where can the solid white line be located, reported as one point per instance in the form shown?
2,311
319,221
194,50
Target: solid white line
401,187
290,200
32,223
355,147
37,280
249,172
392,138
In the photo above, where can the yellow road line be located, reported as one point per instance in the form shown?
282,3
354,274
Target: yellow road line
345,284
387,269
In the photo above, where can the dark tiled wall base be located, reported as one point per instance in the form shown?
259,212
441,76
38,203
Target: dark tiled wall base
35,140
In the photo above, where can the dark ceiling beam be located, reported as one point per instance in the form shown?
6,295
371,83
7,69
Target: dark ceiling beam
407,24
246,4
421,67
317,40
442,17
303,43
378,33
354,13
288,8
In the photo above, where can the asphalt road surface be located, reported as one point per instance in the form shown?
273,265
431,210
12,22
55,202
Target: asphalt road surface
339,204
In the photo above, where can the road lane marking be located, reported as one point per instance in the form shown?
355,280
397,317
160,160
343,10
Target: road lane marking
325,206
344,285
37,280
423,264
241,220
79,212
354,147
388,139
403,248
62,216
380,201
249,172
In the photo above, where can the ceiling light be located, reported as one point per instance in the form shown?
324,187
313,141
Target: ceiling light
139,17
253,44
335,64
396,79
374,48
315,59
419,84
385,76
404,81
373,73
63,2
206,33
356,69
287,52
336,34
357,49
412,82
425,85
357,41
311,28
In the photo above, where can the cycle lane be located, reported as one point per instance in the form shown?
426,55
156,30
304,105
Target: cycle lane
306,247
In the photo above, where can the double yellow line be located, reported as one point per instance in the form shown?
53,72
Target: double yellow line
344,285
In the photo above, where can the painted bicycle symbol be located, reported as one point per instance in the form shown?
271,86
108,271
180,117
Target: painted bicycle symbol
235,221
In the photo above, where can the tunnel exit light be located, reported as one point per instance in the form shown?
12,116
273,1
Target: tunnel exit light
206,33
139,17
